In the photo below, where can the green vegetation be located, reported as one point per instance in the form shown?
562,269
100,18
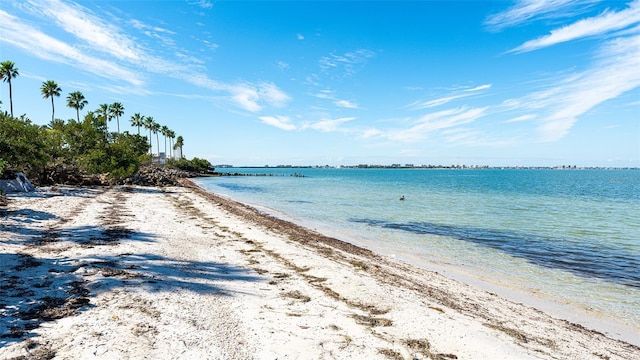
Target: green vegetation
193,165
8,71
22,144
83,145
50,89
78,145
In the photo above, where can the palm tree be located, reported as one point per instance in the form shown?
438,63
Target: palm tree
179,144
138,121
164,130
8,71
116,109
171,135
76,100
155,127
50,89
148,124
104,111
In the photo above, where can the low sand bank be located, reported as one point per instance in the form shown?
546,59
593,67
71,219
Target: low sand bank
176,272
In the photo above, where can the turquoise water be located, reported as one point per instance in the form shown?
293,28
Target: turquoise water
570,236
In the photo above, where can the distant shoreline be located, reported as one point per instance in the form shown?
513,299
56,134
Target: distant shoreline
431,167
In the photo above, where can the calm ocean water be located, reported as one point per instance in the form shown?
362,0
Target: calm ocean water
569,236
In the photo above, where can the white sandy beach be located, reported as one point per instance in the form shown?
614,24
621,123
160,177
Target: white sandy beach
177,273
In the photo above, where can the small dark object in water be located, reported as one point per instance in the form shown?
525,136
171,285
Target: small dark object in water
402,198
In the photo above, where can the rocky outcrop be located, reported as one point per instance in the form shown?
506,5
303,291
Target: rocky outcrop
156,176
146,176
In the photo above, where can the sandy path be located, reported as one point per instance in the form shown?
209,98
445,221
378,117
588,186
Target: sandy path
176,273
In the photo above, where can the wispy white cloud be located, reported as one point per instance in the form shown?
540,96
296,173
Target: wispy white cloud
17,33
99,34
474,137
100,47
272,95
345,64
372,133
521,118
252,97
104,37
557,106
205,4
528,10
281,122
478,88
614,73
330,95
464,92
424,126
612,70
155,32
329,125
248,96
346,104
601,24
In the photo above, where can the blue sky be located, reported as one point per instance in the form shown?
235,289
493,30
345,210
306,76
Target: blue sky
524,82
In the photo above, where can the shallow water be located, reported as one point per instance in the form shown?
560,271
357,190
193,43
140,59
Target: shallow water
570,236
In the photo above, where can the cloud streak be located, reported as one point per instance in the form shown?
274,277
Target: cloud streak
614,73
430,123
345,65
21,35
329,125
281,122
102,48
529,10
604,23
420,105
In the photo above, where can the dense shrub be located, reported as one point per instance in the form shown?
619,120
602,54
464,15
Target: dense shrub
22,144
80,145
193,165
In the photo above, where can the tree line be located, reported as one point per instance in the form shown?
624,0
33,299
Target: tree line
83,144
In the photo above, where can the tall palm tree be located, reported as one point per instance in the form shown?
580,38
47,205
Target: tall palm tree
8,71
116,109
155,127
171,135
179,144
148,124
50,89
104,111
164,130
77,101
137,120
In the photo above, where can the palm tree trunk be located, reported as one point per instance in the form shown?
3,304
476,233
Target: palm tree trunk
158,143
53,110
118,121
10,97
150,146
78,113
